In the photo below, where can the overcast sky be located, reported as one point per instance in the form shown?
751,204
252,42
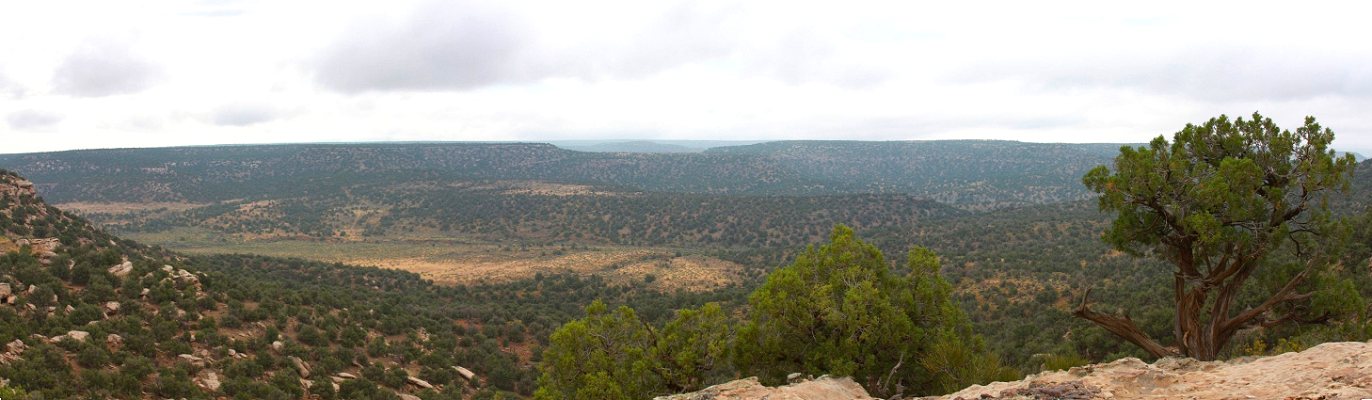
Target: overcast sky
103,74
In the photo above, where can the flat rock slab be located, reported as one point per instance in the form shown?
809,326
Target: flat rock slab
1330,371
824,388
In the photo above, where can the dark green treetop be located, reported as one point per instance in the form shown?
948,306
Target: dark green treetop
840,309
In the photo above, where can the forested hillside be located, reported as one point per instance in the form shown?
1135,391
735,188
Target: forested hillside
534,213
984,173
86,314
970,174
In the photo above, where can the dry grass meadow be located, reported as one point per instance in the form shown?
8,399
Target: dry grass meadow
453,261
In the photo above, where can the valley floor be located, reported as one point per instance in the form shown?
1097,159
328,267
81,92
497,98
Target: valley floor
457,262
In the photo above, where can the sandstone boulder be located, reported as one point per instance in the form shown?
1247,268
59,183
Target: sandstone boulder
211,381
192,360
79,336
300,366
16,347
185,277
419,382
121,269
465,373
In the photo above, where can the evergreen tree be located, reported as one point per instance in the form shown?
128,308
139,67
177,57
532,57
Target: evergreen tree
839,309
1226,201
602,356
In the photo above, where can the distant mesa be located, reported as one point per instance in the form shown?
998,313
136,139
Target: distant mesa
647,146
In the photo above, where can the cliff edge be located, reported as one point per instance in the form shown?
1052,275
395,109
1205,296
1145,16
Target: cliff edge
824,388
1330,371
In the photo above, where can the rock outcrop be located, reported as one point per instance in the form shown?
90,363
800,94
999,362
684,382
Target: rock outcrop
420,383
300,366
824,388
464,373
191,359
122,269
1330,371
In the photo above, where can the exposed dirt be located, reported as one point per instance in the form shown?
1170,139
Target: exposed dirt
669,272
115,208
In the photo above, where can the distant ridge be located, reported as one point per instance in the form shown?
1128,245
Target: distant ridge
648,146
635,147
970,174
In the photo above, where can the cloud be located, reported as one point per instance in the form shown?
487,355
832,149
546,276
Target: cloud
804,56
105,66
243,114
10,88
1216,72
441,45
682,34
215,8
461,46
32,120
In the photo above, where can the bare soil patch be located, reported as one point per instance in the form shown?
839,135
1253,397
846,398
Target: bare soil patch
115,208
457,262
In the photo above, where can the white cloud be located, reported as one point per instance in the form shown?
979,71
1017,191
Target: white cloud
32,120
440,45
10,88
243,114
105,66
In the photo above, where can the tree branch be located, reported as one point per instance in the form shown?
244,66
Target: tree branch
1281,296
1122,327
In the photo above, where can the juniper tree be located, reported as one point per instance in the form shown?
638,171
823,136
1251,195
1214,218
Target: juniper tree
1224,202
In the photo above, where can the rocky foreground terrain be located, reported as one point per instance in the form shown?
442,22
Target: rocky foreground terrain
1330,371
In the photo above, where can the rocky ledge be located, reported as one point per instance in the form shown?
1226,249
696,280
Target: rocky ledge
1330,371
824,388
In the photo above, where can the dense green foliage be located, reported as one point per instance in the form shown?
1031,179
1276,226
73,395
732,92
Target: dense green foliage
614,355
1223,203
838,309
